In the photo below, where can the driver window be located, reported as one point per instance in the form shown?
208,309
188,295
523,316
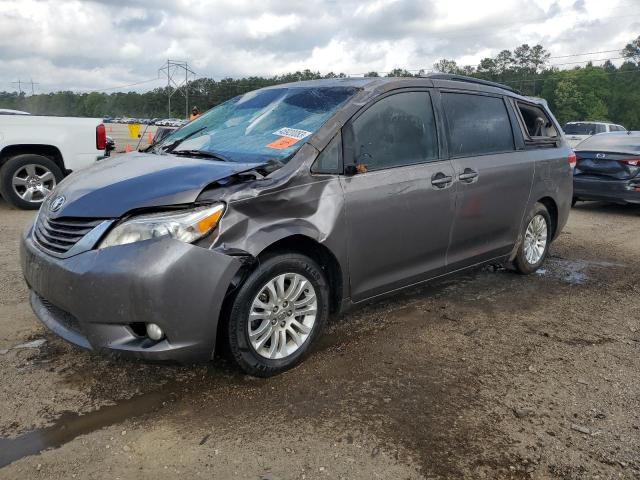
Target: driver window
398,130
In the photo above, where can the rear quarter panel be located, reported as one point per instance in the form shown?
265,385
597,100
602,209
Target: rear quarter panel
553,178
553,175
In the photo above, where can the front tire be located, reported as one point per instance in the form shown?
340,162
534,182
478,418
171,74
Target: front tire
278,314
26,180
536,238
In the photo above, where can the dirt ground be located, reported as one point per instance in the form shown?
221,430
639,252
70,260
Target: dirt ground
484,375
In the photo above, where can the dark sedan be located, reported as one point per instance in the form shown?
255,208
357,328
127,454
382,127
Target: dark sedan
608,168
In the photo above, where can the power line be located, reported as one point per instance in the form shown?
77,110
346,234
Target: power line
586,53
585,61
554,75
124,86
415,70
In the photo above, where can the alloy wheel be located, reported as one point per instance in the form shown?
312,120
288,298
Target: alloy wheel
33,182
535,239
282,315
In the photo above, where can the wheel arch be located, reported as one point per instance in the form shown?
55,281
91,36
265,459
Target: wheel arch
552,207
321,254
293,243
49,151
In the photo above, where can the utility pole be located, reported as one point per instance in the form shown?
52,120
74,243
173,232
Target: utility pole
33,92
173,70
20,82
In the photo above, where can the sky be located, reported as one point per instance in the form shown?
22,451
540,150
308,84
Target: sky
111,45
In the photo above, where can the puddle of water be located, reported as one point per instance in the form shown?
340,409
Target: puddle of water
71,425
573,272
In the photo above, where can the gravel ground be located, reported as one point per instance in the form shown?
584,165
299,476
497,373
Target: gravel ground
119,132
484,375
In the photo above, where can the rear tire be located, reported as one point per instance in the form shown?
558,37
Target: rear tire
26,180
536,237
282,329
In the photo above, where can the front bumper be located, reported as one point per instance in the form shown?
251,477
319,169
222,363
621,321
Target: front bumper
594,188
91,299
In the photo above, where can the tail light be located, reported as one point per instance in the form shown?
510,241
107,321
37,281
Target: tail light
631,161
101,137
572,159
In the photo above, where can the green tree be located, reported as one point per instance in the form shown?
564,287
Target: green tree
446,66
399,72
632,50
569,102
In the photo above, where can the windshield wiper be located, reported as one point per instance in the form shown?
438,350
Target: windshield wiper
172,145
201,154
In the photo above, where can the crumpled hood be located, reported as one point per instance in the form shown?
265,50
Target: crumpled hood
116,186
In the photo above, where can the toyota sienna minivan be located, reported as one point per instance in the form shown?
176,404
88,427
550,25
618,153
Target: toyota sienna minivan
252,224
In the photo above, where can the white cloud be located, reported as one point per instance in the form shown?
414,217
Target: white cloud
97,44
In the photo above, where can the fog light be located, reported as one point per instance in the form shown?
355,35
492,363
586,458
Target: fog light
154,332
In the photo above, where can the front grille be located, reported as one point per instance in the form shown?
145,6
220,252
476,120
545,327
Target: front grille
61,234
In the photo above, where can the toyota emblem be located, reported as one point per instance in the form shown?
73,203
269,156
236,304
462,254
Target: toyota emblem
601,155
56,203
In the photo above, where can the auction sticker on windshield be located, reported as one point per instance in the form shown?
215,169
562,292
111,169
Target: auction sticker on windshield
292,133
282,143
288,137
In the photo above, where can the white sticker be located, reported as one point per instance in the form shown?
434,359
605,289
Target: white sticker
292,133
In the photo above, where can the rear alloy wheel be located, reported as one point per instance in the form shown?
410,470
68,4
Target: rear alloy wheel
535,241
26,180
278,314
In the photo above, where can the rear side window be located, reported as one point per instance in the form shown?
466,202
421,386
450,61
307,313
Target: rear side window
537,126
478,124
395,131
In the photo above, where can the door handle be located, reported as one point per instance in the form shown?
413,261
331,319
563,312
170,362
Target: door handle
468,176
440,180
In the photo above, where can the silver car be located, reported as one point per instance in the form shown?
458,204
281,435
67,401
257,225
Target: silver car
255,222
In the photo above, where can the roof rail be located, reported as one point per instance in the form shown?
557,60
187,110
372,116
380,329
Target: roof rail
463,78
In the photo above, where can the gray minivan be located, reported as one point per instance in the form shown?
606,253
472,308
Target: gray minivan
253,223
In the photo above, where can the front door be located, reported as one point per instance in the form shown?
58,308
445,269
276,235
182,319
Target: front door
399,202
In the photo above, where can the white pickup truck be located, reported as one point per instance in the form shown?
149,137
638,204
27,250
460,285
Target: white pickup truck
36,152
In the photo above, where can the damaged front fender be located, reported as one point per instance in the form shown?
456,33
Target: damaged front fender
254,222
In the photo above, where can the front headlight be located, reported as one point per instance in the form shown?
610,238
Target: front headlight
187,226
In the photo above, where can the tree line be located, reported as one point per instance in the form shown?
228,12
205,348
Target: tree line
586,92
